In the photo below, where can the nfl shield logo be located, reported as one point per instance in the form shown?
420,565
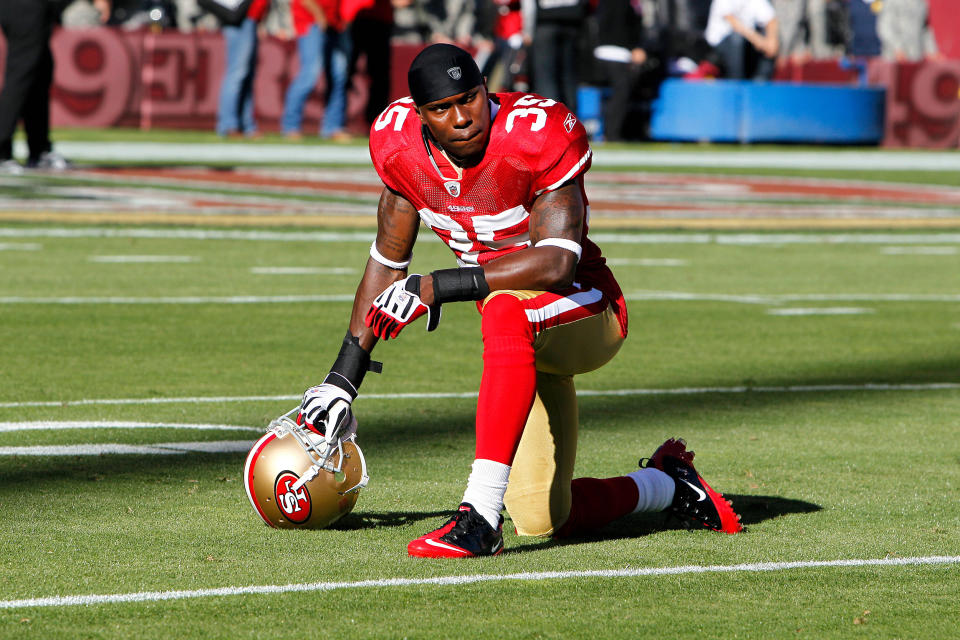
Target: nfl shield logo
454,72
453,188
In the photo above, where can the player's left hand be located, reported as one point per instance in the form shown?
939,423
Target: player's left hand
398,306
325,409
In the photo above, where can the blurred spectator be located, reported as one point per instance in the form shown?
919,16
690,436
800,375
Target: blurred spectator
828,26
623,59
235,112
554,29
26,26
904,31
744,36
678,26
81,14
500,43
370,32
410,22
323,42
451,21
864,42
792,19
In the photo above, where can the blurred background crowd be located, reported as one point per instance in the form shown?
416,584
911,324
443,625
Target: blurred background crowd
552,47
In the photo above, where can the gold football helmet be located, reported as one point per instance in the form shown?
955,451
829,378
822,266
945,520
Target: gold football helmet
298,479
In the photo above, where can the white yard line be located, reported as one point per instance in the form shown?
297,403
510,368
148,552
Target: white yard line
647,262
142,259
300,271
20,246
919,251
161,448
819,311
46,425
814,388
459,580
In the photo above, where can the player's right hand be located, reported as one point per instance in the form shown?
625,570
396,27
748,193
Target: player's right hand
399,305
326,410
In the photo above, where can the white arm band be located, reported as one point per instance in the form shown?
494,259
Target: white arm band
569,245
387,262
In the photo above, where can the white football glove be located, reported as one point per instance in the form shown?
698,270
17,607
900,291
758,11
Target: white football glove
399,305
326,409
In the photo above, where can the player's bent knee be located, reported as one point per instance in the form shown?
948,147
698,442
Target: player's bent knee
537,514
503,311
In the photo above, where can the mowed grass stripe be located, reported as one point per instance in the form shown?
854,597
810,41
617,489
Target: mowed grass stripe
445,581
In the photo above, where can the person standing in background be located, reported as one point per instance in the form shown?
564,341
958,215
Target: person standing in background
235,113
27,25
745,37
554,27
370,33
904,31
323,43
622,55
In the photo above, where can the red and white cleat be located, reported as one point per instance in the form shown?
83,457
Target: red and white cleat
465,535
693,498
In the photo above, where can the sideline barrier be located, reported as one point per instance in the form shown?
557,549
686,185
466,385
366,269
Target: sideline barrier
745,111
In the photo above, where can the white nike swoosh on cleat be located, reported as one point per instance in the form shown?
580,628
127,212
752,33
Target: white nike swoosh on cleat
436,543
703,496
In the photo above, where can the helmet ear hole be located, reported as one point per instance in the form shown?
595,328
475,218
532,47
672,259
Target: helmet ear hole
294,481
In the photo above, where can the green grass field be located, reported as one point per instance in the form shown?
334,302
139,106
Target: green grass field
818,382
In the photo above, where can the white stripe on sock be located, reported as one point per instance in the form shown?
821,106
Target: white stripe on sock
655,487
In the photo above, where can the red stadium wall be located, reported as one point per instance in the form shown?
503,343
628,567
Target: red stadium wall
923,102
110,77
114,78
946,27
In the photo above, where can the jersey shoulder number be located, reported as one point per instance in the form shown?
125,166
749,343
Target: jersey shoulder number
394,116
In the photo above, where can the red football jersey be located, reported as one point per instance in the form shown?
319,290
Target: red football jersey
536,145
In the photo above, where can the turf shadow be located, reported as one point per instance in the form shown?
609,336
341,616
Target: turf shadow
752,509
377,519
756,509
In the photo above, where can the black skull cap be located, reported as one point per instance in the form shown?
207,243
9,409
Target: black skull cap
440,71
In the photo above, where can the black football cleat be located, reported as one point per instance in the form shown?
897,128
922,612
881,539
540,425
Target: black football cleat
465,535
693,498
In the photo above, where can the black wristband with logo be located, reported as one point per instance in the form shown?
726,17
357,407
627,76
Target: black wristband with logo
457,285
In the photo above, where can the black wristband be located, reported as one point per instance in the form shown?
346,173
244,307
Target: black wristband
351,366
457,285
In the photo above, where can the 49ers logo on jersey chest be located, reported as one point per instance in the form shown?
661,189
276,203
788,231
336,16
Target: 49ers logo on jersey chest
294,505
453,188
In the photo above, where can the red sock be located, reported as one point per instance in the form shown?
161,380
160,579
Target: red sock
598,502
509,382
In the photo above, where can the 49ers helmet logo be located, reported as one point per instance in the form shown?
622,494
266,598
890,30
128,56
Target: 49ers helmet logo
294,505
